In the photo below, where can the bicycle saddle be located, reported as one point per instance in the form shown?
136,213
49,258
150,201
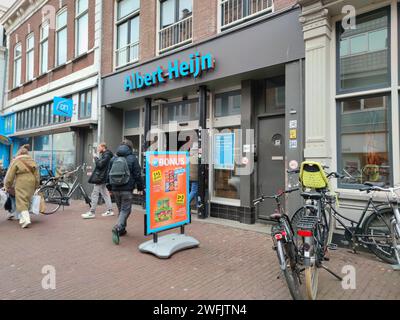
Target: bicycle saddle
276,216
311,195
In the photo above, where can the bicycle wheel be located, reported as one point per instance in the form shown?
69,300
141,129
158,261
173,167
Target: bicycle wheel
311,280
291,276
52,197
378,229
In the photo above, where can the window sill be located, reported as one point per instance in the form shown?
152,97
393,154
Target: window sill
42,76
61,66
126,66
81,56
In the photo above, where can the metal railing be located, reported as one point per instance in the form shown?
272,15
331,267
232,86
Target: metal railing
236,11
127,54
176,35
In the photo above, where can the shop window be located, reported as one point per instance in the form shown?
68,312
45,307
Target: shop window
275,94
64,152
364,52
364,140
132,119
127,50
81,25
181,111
226,152
154,116
227,104
85,104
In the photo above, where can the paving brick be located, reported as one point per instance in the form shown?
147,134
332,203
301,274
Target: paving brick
229,264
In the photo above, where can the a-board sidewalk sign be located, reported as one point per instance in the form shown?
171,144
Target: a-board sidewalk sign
167,203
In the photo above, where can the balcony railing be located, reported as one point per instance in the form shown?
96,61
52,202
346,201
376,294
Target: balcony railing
127,54
234,12
176,34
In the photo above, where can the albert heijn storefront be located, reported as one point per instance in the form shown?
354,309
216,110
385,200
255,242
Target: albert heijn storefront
239,95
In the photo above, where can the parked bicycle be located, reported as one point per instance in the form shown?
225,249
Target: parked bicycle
283,238
53,194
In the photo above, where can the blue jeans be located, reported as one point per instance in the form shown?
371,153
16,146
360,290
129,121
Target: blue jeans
194,189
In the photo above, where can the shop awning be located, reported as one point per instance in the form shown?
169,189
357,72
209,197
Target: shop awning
5,140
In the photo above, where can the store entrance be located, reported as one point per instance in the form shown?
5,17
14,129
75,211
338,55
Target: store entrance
271,161
181,140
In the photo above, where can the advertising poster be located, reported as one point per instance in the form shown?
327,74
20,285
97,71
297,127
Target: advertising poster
224,147
167,191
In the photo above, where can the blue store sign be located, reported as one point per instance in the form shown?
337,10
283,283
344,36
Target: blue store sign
63,107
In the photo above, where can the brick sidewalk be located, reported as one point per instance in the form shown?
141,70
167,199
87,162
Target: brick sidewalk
229,264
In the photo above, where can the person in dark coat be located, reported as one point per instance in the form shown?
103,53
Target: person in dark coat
99,179
123,194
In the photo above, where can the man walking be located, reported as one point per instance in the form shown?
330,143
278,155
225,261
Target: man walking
124,175
99,179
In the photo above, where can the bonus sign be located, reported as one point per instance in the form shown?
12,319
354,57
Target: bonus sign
167,191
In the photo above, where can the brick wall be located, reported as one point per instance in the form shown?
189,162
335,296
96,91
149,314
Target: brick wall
148,29
282,4
107,37
33,25
204,19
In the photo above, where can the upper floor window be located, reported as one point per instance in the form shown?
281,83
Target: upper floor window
17,64
81,27
44,47
61,38
127,50
364,53
175,23
228,104
30,56
85,104
234,12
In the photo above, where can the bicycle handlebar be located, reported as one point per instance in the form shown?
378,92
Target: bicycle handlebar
276,196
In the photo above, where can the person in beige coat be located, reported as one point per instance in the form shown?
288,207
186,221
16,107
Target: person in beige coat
23,178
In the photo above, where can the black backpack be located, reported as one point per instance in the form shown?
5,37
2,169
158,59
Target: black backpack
119,173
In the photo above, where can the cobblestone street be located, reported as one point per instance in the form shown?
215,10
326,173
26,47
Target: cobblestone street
89,266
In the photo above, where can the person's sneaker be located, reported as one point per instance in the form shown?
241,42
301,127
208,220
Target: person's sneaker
108,213
11,217
25,224
122,233
88,215
115,235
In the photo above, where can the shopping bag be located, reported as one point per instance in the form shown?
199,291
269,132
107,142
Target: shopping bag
3,198
35,204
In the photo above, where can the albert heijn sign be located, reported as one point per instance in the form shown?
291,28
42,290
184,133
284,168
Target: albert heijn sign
194,67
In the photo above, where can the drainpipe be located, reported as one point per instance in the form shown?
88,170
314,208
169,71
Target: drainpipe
99,82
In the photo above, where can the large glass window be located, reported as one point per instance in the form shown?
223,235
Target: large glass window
275,94
132,119
226,152
364,52
81,27
30,56
127,50
44,47
85,104
181,111
175,10
61,38
364,140
227,104
17,64
64,152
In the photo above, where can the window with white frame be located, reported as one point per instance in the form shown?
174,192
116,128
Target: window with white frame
61,38
175,23
85,104
17,64
30,56
44,47
81,27
127,26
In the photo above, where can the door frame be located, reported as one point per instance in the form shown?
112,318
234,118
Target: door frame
258,118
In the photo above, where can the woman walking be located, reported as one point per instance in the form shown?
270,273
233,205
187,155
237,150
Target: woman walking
23,179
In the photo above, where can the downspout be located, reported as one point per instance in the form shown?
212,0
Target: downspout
99,82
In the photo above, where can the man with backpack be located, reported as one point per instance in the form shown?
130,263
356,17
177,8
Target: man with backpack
99,179
124,175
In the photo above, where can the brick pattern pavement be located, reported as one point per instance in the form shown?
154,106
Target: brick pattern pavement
229,264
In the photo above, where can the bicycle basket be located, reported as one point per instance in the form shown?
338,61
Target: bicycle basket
312,175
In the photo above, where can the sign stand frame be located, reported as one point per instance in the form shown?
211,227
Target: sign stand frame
165,246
